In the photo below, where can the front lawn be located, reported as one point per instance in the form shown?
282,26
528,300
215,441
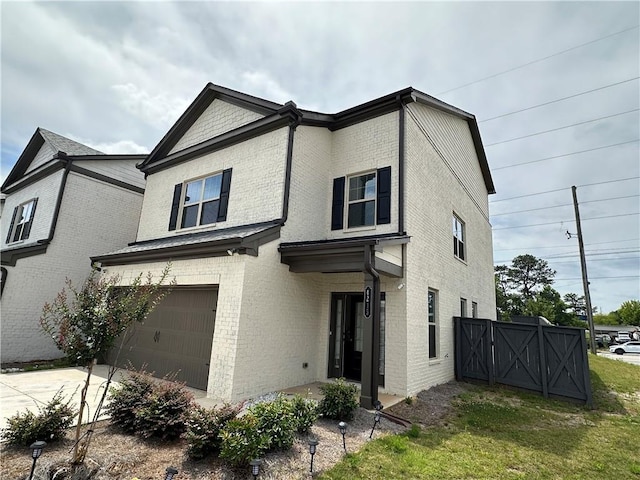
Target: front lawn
496,433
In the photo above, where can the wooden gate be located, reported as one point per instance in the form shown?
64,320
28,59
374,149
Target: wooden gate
548,359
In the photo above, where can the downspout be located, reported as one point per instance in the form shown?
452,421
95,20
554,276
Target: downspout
295,115
369,397
401,174
56,212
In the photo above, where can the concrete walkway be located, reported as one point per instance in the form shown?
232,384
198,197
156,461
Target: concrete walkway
22,391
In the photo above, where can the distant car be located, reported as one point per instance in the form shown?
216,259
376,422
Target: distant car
603,340
629,347
623,337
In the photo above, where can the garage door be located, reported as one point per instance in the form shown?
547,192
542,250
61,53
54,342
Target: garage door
176,338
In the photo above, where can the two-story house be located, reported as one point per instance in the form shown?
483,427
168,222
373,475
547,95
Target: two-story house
61,201
309,246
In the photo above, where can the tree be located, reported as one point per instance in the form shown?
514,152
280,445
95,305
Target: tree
576,304
86,323
612,318
529,274
629,312
548,303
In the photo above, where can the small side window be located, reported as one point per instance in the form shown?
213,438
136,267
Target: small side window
21,221
459,238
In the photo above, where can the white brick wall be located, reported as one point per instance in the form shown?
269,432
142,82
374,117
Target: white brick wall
320,156
257,184
218,118
94,217
433,194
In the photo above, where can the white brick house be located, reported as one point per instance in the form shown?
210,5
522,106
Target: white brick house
62,200
301,240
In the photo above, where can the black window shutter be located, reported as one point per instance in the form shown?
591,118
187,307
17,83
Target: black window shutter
13,220
337,206
175,206
224,195
27,226
384,196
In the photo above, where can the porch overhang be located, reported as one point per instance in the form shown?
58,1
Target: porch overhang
343,255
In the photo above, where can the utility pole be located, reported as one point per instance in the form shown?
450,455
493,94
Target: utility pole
585,280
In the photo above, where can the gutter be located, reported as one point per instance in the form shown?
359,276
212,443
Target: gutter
401,161
56,213
296,115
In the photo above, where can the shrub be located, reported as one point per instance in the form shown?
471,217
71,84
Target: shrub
339,400
241,441
203,429
49,424
164,412
305,412
276,420
126,399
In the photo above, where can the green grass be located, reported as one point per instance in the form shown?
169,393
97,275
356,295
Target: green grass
504,434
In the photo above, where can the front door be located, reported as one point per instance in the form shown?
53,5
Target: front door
346,336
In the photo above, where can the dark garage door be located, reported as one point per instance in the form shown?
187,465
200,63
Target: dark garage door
176,337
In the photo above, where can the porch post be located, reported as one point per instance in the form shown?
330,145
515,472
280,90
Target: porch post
371,342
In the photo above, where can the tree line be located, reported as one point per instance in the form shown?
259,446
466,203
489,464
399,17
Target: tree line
525,288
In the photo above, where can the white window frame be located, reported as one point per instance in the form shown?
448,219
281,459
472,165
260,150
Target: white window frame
433,324
459,238
20,221
474,309
350,202
201,201
463,307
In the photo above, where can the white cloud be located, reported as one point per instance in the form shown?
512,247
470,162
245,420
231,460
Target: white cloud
159,110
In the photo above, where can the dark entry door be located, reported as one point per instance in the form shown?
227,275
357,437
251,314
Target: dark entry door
346,341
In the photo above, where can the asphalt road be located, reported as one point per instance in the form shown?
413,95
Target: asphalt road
633,358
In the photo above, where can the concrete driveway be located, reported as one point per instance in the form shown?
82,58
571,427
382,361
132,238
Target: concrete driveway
632,358
22,391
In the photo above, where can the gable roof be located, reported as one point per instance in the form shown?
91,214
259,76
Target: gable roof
57,143
275,114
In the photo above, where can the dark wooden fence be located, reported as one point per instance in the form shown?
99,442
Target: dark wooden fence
548,359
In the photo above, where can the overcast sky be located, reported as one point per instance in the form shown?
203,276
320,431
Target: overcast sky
117,75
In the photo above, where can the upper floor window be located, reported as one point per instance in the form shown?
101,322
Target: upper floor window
367,201
204,201
458,238
362,201
21,221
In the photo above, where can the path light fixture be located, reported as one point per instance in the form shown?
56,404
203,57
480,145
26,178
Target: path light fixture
255,467
342,426
36,451
170,472
313,443
376,417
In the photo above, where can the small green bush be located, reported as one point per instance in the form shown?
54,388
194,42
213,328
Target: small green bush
340,401
276,420
305,411
125,400
49,424
164,412
203,429
241,441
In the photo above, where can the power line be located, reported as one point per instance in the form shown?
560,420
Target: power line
597,278
566,246
558,100
566,221
562,205
564,155
565,188
572,255
600,260
563,127
538,60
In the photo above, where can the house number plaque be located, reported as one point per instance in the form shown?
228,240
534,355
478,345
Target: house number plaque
367,302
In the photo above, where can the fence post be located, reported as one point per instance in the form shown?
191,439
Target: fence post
543,362
489,349
585,370
457,338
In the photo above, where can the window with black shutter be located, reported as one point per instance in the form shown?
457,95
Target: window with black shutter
201,201
21,221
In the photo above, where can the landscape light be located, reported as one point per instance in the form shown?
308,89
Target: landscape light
170,472
313,443
342,426
36,451
255,467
